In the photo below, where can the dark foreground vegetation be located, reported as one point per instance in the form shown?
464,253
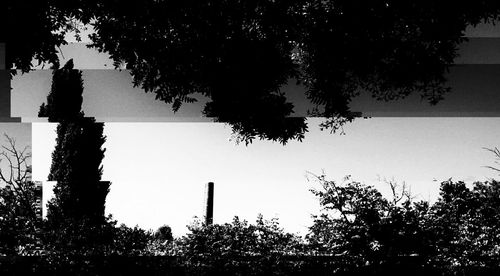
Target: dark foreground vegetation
359,232
234,55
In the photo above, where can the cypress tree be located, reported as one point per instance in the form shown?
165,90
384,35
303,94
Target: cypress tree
79,194
64,101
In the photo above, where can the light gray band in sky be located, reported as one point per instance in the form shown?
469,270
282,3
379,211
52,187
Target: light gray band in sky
110,94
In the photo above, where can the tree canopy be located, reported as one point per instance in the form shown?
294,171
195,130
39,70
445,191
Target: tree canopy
456,234
240,53
31,32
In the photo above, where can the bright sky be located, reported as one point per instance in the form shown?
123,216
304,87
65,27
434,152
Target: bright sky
158,170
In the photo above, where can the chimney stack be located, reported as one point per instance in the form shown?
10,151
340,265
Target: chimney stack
209,203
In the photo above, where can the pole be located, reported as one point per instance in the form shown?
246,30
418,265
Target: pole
209,206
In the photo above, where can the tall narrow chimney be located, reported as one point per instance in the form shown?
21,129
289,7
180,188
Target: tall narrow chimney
209,203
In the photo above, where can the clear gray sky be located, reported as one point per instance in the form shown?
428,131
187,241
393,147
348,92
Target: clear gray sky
158,170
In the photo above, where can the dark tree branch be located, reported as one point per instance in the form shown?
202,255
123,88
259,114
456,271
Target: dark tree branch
327,187
496,152
398,192
19,170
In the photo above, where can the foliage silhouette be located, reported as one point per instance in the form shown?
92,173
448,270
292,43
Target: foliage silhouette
238,248
456,235
130,241
76,167
65,98
19,224
363,228
76,225
35,29
79,195
360,232
164,234
466,224
239,53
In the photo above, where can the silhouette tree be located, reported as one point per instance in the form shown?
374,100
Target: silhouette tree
164,234
65,98
238,248
362,228
76,166
130,241
79,194
18,200
457,235
466,225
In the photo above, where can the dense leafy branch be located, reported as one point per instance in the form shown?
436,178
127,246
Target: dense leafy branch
239,54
